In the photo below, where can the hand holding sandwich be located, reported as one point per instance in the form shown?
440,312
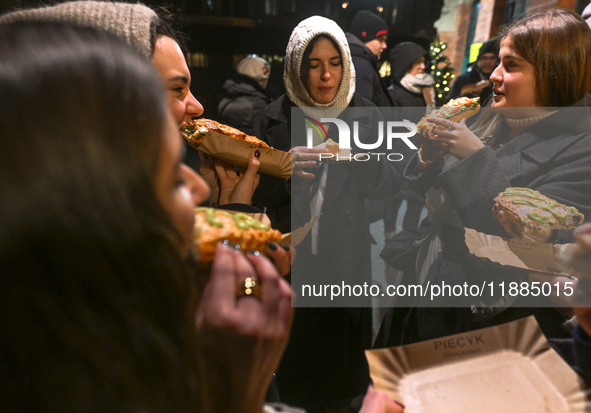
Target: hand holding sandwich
431,150
303,158
234,188
456,135
513,230
226,186
243,338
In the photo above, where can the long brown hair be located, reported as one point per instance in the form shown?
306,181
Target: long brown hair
557,42
96,307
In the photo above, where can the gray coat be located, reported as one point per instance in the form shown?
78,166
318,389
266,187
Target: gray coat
553,156
243,99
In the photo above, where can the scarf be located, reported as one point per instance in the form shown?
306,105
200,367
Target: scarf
421,83
301,36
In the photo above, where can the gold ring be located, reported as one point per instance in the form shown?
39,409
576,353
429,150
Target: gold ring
251,287
450,127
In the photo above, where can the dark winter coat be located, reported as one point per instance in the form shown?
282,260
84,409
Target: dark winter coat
473,75
332,339
243,98
402,97
367,82
401,59
552,156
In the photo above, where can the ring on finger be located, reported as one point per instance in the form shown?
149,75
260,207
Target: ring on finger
250,287
450,127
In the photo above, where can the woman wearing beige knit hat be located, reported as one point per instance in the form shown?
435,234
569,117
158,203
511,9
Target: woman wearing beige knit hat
100,312
153,37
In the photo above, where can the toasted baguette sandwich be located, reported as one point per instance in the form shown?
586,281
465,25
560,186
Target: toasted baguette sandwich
213,226
454,110
534,212
196,130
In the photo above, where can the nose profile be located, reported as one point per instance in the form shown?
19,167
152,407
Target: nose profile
193,107
197,186
495,76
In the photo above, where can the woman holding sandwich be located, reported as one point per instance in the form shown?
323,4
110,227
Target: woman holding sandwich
536,134
151,34
324,366
99,310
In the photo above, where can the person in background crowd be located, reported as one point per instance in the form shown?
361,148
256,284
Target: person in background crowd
536,135
367,37
413,88
245,94
411,85
476,81
152,36
99,311
367,40
324,367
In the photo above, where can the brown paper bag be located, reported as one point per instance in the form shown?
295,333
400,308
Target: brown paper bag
530,256
273,161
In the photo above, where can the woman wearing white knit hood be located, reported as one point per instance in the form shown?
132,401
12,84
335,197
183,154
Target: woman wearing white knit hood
324,366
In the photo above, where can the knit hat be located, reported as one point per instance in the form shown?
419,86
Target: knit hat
402,57
130,22
254,67
367,26
490,46
301,36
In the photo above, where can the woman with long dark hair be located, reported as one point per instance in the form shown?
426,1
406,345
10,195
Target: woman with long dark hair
99,311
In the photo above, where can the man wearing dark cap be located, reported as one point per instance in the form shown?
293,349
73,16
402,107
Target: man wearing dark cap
475,82
367,40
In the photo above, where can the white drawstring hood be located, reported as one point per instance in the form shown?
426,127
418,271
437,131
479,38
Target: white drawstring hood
301,36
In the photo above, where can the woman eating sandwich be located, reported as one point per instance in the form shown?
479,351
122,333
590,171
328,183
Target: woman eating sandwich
536,135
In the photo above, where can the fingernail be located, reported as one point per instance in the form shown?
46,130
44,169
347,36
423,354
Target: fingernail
257,154
272,246
285,247
236,247
254,252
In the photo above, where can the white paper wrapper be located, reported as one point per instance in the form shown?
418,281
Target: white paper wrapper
507,368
